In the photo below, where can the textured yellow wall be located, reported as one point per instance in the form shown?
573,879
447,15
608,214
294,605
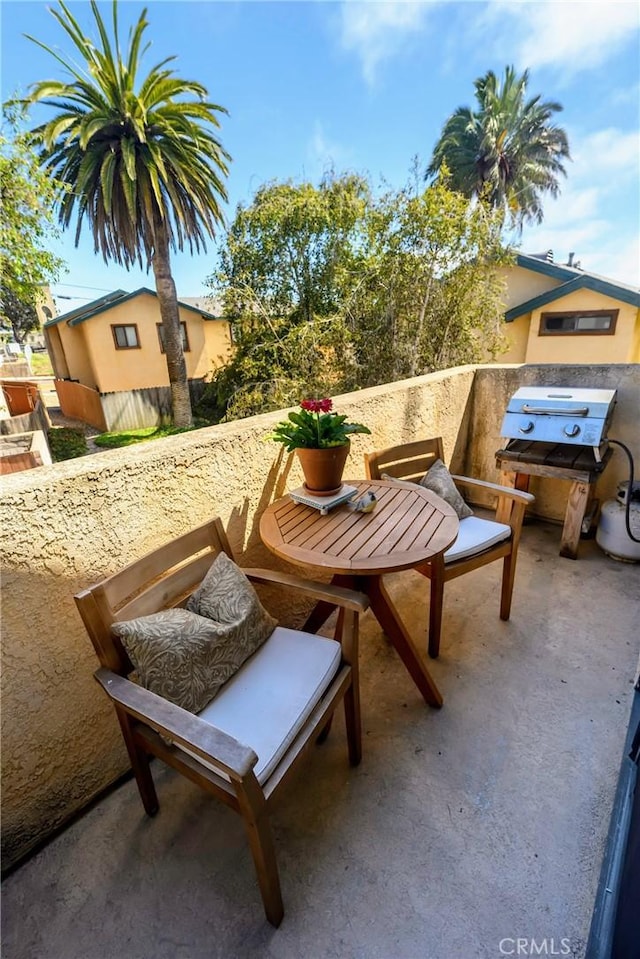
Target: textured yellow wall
69,525
517,335
77,355
522,284
94,360
584,348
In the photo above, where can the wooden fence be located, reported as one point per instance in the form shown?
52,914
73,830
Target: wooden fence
80,403
135,409
124,410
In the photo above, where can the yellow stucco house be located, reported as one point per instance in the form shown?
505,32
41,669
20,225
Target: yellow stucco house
109,363
559,313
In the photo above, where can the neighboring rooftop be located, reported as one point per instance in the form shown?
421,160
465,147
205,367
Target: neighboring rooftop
107,302
573,279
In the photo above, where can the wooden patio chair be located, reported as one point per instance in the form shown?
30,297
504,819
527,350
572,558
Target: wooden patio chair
307,676
479,541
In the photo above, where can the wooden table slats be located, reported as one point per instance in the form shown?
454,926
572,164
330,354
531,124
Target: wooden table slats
408,527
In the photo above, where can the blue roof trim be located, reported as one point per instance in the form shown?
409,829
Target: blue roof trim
583,281
79,315
553,270
109,298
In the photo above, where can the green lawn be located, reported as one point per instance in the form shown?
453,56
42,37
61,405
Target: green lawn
66,443
41,364
129,437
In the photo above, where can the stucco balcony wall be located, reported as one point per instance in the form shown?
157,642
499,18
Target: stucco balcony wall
68,525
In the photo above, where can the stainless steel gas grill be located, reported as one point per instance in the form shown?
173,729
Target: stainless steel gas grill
559,432
560,416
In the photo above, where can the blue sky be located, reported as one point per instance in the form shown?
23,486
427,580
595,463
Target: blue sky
365,87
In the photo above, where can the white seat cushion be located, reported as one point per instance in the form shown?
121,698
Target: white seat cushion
268,701
476,535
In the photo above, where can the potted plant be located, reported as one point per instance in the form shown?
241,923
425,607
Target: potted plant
320,437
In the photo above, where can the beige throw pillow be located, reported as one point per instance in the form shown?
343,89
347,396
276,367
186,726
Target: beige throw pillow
186,655
439,480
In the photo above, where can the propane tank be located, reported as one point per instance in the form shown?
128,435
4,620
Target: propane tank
612,535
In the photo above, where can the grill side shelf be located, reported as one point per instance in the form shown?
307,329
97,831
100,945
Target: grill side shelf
551,455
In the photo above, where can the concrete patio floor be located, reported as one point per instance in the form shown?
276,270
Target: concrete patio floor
462,829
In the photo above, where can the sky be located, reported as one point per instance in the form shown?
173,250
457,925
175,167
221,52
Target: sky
365,87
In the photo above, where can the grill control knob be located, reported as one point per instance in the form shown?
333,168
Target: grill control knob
572,430
528,428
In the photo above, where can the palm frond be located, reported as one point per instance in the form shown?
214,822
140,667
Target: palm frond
131,153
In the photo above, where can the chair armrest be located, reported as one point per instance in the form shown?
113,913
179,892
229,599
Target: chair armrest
504,492
510,506
214,745
337,595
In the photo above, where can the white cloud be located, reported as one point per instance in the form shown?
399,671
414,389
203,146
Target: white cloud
607,150
620,263
376,31
603,177
570,36
324,153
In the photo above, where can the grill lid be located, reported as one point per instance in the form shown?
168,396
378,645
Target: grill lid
559,401
560,415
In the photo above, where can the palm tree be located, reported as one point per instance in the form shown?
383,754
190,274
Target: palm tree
139,159
507,151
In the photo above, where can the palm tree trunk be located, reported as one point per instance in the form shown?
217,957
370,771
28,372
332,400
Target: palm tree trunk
171,331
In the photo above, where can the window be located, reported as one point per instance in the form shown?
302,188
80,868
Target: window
590,322
185,339
126,337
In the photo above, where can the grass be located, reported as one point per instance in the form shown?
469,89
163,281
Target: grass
66,443
40,364
111,441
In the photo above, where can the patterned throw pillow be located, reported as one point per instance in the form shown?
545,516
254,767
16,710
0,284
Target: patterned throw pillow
439,480
226,596
187,657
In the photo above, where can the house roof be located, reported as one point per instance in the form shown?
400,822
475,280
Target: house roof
86,312
574,279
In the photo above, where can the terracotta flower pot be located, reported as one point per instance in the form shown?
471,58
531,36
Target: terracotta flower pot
323,468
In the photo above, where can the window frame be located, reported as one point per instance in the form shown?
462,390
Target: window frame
613,314
186,346
124,326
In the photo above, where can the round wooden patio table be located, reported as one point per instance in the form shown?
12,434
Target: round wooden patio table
409,526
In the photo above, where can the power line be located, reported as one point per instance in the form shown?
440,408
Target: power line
79,286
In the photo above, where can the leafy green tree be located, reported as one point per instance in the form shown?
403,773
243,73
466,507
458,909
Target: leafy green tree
284,265
330,289
138,159
507,150
21,317
429,294
26,223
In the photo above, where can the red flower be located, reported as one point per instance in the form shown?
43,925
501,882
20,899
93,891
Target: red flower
317,406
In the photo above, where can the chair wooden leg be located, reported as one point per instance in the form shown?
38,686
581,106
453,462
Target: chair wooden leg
140,765
352,722
347,634
435,609
258,828
508,578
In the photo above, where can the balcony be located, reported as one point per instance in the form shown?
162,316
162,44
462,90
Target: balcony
461,830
